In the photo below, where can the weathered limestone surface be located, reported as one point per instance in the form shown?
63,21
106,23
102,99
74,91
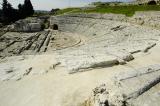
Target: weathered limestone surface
17,67
26,25
146,18
83,42
13,43
107,36
151,18
138,87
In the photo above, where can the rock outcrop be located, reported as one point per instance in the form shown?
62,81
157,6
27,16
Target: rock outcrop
13,43
18,67
139,87
151,19
26,25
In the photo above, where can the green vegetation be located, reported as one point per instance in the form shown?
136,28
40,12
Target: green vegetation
128,10
68,10
56,11
10,14
38,13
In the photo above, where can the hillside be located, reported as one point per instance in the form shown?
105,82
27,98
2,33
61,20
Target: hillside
128,10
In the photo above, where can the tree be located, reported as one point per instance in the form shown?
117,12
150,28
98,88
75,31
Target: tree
6,8
9,14
28,8
21,11
54,11
0,16
13,14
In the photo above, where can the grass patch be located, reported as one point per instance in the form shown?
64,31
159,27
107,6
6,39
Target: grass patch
67,10
126,10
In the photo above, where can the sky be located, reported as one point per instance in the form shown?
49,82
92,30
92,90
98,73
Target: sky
49,4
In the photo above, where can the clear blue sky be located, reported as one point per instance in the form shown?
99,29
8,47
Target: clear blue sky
49,4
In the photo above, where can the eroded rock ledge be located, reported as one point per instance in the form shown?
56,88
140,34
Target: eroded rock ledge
138,87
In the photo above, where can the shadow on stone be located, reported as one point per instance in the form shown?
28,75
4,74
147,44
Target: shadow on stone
55,27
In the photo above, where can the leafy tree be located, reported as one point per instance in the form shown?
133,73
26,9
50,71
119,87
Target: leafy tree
28,8
6,8
54,11
9,14
0,16
21,11
13,14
